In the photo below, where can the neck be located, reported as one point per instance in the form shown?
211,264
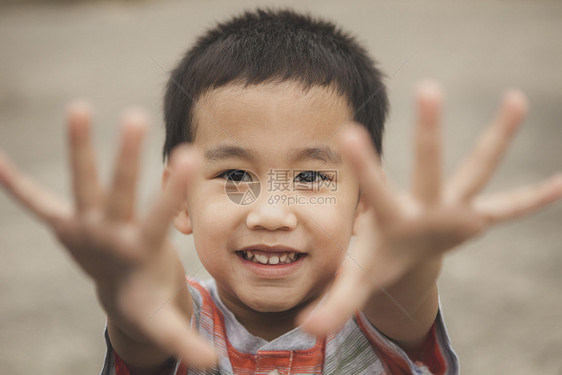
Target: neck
266,325
270,325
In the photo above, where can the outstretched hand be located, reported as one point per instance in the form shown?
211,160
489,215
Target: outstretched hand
401,233
135,269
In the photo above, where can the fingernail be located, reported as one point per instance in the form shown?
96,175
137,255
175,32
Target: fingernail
430,88
79,109
135,116
516,98
353,134
557,179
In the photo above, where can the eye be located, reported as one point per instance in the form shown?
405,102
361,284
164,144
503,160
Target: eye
312,177
236,175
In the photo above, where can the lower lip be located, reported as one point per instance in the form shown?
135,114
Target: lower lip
273,271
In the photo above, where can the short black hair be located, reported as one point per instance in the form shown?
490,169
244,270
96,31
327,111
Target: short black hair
275,46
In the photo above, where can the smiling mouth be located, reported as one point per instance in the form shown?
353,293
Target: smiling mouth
270,258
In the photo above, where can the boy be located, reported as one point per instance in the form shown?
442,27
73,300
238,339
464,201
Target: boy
266,96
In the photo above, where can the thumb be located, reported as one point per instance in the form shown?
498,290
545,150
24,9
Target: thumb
182,170
349,292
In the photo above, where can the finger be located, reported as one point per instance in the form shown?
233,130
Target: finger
426,181
353,285
85,184
172,332
356,147
348,294
475,172
184,164
42,203
520,202
121,197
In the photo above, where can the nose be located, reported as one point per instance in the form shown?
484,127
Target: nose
270,216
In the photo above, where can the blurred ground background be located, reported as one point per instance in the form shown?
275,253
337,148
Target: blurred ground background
500,294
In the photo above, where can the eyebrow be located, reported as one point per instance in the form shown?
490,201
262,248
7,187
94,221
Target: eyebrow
322,153
221,152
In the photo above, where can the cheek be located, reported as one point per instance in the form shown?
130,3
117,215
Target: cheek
334,227
332,230
335,215
209,205
215,220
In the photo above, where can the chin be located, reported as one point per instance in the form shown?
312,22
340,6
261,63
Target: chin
271,306
268,302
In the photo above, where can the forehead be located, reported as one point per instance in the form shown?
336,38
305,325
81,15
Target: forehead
283,111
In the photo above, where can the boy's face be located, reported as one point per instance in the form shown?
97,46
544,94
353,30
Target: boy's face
282,249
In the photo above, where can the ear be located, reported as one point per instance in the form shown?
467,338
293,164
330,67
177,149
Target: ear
362,206
182,221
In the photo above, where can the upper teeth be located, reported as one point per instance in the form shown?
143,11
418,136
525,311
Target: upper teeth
274,258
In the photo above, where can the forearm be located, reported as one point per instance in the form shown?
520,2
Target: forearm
406,310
